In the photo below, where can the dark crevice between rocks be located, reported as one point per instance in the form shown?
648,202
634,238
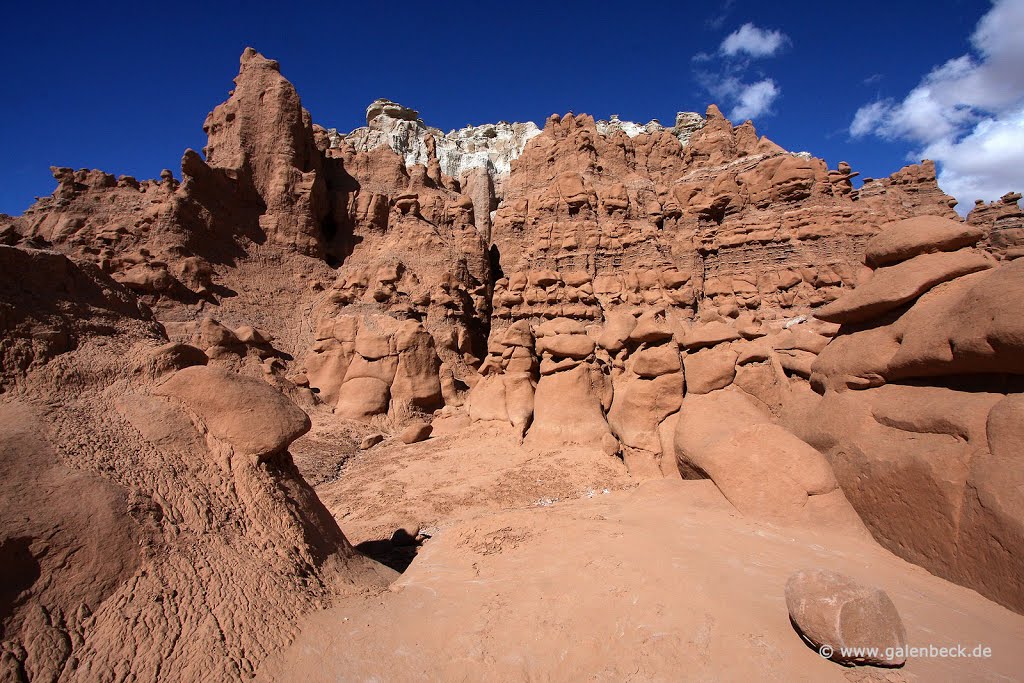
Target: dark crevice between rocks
396,552
19,570
494,255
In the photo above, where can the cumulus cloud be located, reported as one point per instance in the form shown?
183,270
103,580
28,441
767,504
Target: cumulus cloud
986,163
753,41
744,92
751,99
868,119
966,114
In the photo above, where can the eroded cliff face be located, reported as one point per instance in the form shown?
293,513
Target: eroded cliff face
153,522
691,299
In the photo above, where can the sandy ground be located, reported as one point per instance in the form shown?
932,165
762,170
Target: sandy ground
477,470
665,581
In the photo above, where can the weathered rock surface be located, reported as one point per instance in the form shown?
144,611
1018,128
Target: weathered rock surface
916,459
911,237
835,611
762,468
145,496
491,146
263,138
892,286
710,369
973,327
1004,222
256,419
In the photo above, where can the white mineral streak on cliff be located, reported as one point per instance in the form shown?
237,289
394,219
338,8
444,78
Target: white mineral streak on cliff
489,146
686,123
628,127
492,146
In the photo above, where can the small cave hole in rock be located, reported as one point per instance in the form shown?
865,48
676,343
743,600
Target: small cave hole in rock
396,552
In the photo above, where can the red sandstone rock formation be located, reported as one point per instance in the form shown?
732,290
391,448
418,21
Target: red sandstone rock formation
705,305
918,388
153,521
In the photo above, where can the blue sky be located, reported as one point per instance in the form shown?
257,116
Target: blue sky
126,87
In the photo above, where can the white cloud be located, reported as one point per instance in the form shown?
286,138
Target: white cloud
753,99
738,88
754,41
868,118
967,114
985,164
747,100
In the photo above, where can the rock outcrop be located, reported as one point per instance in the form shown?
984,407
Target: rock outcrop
694,300
916,395
152,523
491,146
263,139
761,467
1003,220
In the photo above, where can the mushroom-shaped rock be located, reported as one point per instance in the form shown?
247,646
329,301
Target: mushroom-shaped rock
213,333
519,399
568,408
972,325
255,418
543,278
371,345
638,407
651,328
487,399
836,612
518,334
394,110
902,240
709,369
363,397
416,380
656,360
560,326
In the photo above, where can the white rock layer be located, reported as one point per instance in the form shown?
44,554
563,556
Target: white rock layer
491,146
